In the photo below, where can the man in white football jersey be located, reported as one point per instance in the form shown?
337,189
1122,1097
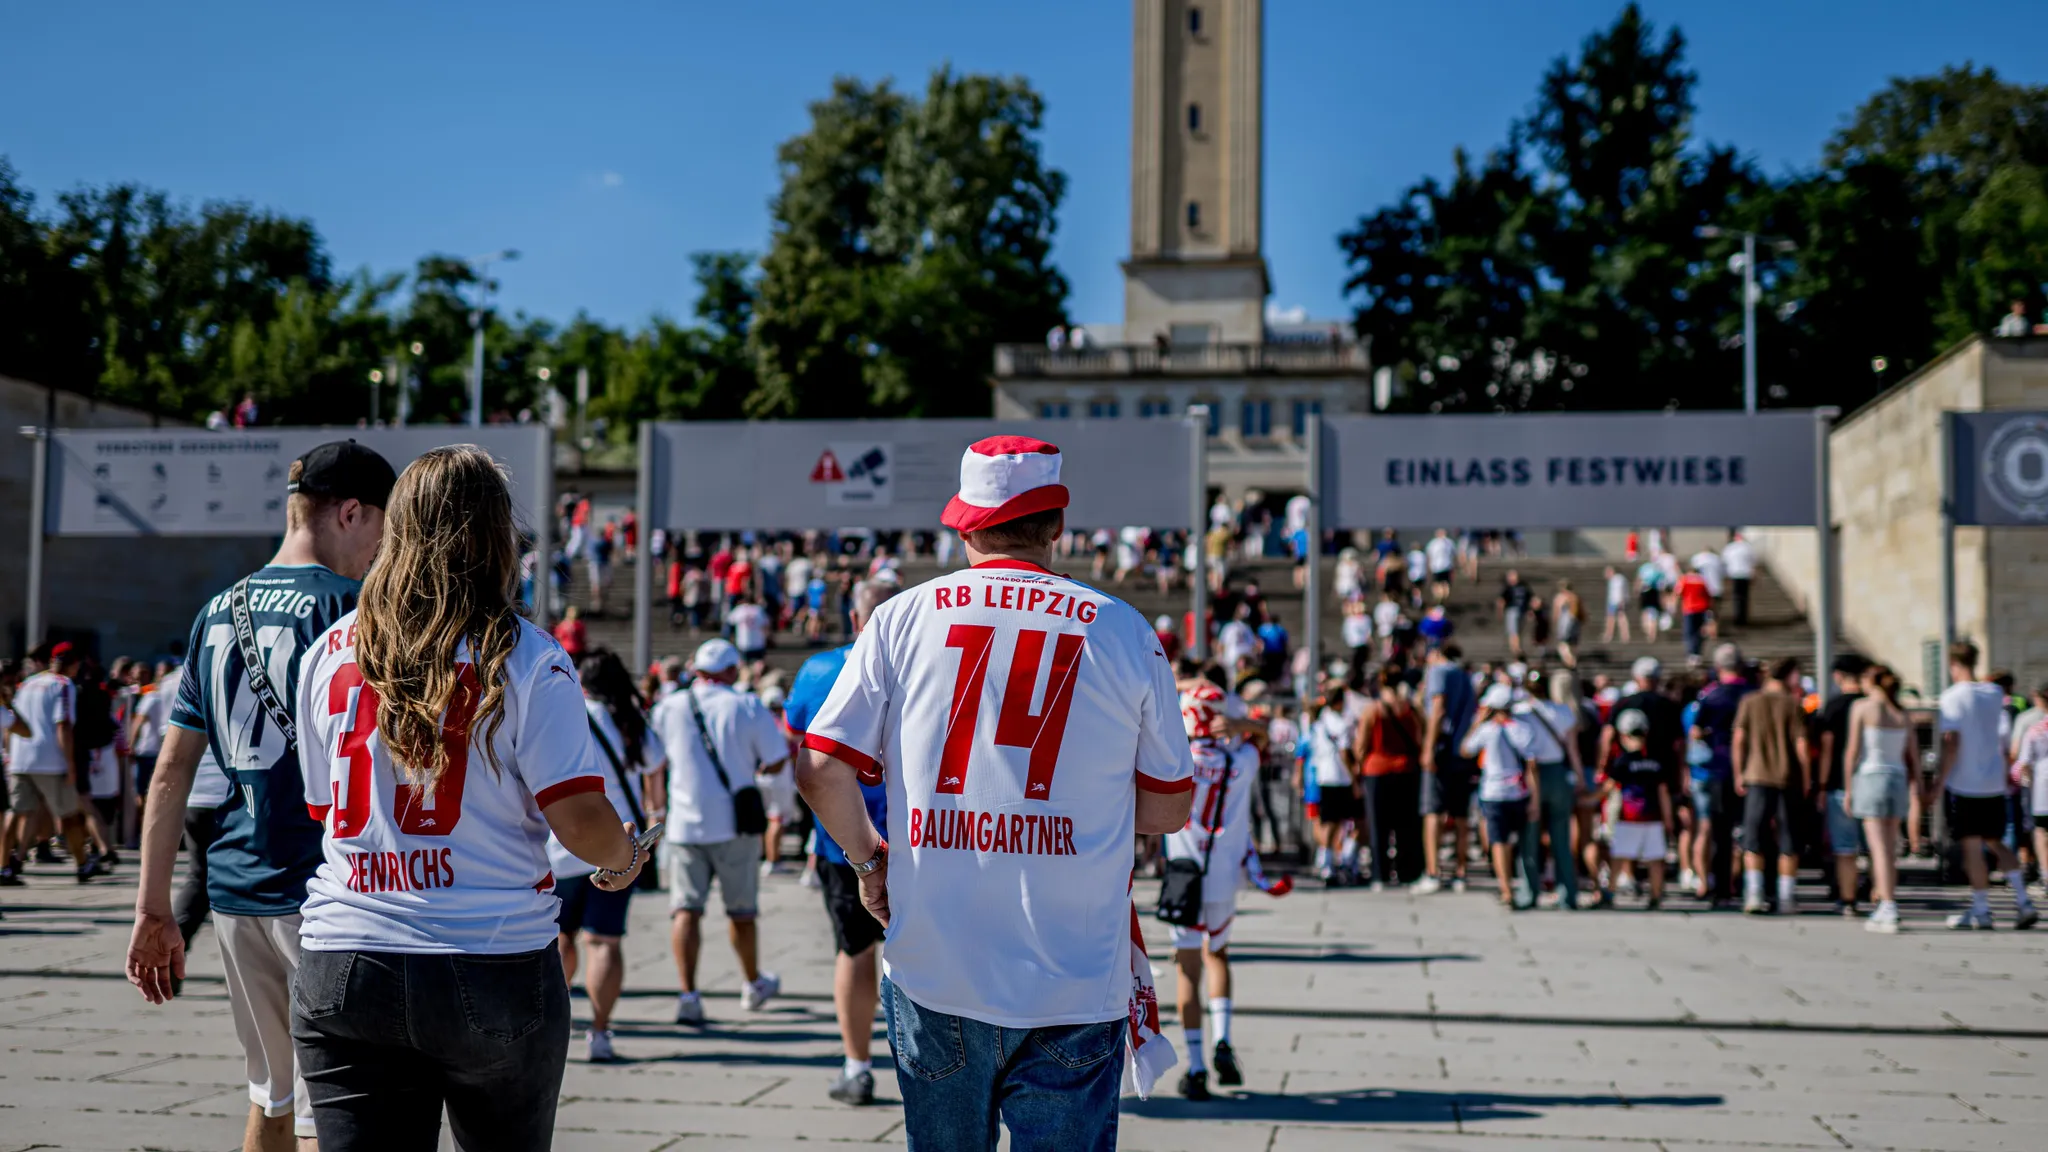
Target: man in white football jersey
1218,836
1025,726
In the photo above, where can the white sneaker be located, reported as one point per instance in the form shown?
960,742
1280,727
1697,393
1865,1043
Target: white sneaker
767,869
1970,922
1687,880
756,995
1458,884
1882,921
1625,886
809,879
601,1047
1755,906
1426,886
690,1009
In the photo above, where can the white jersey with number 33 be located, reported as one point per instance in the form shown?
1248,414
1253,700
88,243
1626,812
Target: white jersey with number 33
465,867
1014,714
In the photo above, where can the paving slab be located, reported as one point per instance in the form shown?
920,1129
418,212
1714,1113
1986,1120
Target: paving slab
1382,1020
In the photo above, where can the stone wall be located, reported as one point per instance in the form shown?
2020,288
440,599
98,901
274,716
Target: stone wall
1886,491
120,596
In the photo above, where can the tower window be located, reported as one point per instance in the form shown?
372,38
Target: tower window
1194,21
1194,214
1194,117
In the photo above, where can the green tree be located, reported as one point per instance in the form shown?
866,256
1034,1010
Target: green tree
910,236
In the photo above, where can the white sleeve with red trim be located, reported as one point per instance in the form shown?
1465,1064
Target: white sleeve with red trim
1165,763
554,753
850,724
316,762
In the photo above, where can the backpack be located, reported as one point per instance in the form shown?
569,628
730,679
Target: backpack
94,727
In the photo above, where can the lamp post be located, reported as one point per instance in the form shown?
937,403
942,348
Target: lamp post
1749,298
476,327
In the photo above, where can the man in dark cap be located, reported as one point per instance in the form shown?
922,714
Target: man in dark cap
268,845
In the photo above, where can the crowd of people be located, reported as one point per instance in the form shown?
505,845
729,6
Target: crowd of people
399,923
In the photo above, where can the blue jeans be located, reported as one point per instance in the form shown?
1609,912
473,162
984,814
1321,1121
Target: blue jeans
1055,1088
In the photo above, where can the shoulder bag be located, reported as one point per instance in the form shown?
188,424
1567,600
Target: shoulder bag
1180,888
650,876
749,814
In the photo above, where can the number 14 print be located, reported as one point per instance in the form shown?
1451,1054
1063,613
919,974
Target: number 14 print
1016,725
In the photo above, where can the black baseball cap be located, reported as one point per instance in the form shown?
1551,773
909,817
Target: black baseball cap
345,470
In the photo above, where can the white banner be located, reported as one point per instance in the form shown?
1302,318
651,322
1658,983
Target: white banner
191,482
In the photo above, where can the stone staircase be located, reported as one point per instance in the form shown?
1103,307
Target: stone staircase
1776,626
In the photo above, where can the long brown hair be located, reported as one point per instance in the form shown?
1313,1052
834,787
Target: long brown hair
447,573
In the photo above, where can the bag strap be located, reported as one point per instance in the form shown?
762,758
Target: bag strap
704,734
252,660
1222,810
619,770
1536,710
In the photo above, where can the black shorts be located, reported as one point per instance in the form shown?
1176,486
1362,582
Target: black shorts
854,928
1338,804
1448,790
594,910
1763,804
1980,816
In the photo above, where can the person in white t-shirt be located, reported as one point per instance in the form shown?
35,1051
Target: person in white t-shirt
1442,554
442,738
1617,607
1974,731
1738,561
1236,643
630,758
749,623
1712,569
718,740
1025,726
41,778
1218,837
1504,748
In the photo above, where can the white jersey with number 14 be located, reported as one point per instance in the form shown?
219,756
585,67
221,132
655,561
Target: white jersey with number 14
1014,714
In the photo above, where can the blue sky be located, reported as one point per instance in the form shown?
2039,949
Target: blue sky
608,140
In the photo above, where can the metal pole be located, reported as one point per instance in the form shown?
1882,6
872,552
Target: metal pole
1312,584
582,405
1749,322
476,370
1948,547
1824,527
1198,519
643,580
544,530
38,499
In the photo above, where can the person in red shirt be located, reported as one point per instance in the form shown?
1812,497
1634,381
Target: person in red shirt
1696,605
1169,640
571,633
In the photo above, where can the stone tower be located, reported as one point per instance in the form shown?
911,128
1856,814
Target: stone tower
1196,272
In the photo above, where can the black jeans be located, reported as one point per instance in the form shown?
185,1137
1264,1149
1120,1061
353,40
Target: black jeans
1393,809
189,903
385,1039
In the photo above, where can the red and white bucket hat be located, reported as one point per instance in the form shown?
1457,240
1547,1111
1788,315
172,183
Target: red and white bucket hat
1003,478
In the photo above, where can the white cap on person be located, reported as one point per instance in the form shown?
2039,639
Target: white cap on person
1498,697
1003,478
1631,722
715,656
1646,668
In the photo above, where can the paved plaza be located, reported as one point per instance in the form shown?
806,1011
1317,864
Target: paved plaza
1364,1020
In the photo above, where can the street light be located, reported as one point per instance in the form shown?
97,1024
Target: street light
1749,296
476,325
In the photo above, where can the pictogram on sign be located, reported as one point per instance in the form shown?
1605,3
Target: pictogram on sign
827,470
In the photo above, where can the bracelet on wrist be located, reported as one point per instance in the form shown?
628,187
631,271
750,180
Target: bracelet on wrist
612,873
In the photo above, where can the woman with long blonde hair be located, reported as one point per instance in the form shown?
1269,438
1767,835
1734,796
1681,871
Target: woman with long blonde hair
1885,764
442,737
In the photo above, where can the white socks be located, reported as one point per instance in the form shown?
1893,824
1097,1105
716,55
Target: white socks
1219,1015
1196,1061
1752,886
856,1067
2018,879
1788,889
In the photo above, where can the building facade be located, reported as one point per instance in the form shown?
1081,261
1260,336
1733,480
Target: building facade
1195,329
1885,491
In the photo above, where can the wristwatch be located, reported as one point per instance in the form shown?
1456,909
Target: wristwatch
869,865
